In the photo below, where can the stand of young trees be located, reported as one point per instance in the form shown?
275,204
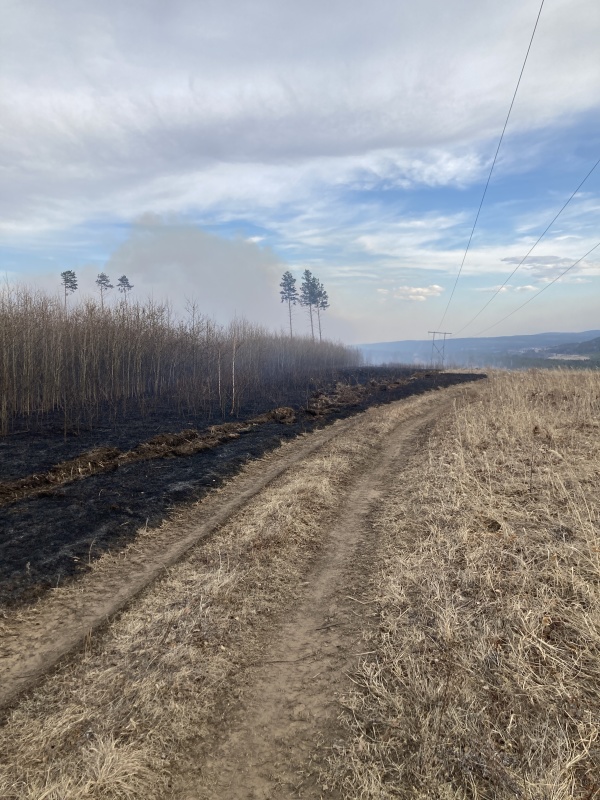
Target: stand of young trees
84,360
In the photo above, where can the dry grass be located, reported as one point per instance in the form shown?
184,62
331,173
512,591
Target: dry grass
486,678
116,721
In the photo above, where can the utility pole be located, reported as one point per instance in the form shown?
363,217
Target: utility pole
438,348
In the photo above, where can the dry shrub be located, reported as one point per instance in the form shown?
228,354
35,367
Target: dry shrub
116,722
486,677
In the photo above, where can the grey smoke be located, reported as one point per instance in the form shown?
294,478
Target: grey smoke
178,261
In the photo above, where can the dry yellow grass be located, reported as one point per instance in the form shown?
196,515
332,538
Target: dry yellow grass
485,682
116,720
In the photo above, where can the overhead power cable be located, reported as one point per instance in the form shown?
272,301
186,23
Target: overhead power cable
529,252
493,165
537,294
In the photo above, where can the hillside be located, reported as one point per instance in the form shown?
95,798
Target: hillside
501,351
589,350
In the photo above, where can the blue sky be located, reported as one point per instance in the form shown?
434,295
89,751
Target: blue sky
203,148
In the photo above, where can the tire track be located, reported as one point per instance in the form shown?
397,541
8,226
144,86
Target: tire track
270,750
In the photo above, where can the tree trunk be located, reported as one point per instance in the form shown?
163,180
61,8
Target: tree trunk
233,377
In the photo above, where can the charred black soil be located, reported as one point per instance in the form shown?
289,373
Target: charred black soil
64,500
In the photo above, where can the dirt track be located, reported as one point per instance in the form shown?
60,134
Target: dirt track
271,751
269,739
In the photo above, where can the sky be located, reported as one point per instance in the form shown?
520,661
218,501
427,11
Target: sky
204,148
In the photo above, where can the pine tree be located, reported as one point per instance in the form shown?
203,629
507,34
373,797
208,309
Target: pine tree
309,296
124,286
69,281
322,303
104,284
289,294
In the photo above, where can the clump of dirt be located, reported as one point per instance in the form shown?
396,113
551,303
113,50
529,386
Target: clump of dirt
283,414
170,439
96,460
353,395
186,443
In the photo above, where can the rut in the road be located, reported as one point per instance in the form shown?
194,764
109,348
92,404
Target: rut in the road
271,748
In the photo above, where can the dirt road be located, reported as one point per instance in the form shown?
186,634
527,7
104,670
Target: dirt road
224,678
272,749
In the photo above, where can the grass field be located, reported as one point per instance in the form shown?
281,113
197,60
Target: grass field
484,678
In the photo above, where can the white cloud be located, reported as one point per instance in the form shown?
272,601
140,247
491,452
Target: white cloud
500,288
120,109
401,238
417,293
549,267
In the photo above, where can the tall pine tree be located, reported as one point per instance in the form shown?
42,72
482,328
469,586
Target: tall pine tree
103,283
309,296
124,286
69,282
322,303
289,294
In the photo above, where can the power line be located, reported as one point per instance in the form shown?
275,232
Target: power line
537,294
493,164
499,289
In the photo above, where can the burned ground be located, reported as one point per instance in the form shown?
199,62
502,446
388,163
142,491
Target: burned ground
66,500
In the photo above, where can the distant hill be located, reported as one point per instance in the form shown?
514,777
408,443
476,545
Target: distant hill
502,351
589,348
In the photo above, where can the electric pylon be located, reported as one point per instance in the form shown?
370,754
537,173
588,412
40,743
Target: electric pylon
438,349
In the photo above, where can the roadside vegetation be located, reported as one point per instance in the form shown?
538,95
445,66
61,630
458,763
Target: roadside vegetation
484,674
79,362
